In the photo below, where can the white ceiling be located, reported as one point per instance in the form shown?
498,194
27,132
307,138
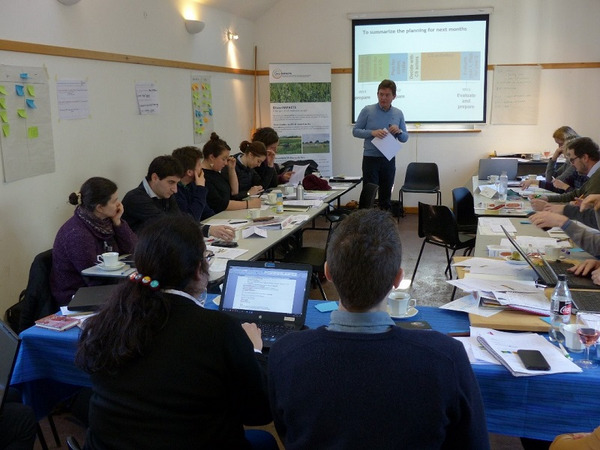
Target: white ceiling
248,9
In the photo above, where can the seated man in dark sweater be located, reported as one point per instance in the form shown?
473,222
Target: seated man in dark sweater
154,198
362,382
191,190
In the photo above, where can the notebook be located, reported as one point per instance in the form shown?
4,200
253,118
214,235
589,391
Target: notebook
9,348
495,166
90,298
271,294
547,272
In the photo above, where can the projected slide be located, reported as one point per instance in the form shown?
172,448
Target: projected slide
438,64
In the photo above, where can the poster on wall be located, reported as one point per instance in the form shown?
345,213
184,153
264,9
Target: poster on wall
300,96
202,112
516,95
26,127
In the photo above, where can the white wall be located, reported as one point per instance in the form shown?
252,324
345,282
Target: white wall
116,142
521,32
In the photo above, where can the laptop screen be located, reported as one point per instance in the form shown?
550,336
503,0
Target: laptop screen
265,288
9,346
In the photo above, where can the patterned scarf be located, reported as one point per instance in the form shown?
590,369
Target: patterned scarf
102,228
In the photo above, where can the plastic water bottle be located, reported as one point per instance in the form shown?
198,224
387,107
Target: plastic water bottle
560,307
503,186
279,203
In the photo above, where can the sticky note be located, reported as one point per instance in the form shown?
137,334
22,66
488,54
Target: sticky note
24,76
31,103
20,90
4,116
327,306
2,103
31,90
32,132
6,129
3,90
22,113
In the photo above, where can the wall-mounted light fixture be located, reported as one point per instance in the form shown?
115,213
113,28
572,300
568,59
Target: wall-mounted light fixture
193,26
231,36
68,2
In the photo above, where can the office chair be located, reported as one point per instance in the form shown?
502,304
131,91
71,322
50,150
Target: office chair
420,178
365,201
462,205
437,225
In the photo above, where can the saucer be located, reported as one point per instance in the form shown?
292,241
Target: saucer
412,311
118,266
516,262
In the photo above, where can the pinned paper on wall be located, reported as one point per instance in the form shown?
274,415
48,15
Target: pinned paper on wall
73,99
26,141
32,132
202,112
147,97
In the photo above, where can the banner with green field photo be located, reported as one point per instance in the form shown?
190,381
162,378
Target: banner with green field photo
300,96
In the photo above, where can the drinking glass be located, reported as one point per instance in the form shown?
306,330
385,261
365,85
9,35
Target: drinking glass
588,330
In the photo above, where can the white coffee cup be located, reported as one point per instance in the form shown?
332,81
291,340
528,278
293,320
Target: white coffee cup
552,252
536,156
108,259
290,190
399,303
254,213
493,178
532,177
572,341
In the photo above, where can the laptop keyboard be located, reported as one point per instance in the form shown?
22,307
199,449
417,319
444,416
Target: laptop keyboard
573,281
586,300
272,331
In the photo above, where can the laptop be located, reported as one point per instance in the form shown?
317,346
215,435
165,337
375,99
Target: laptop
548,271
9,349
273,295
90,298
495,166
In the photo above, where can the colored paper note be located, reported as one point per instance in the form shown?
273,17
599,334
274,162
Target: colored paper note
3,90
2,103
6,129
22,113
31,103
32,132
20,90
31,90
4,116
24,76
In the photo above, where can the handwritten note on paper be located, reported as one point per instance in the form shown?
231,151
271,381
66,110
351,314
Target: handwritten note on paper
73,99
516,95
147,97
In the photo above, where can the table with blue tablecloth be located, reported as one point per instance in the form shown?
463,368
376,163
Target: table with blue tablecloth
538,407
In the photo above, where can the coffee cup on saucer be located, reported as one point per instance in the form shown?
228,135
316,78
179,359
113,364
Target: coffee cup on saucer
399,303
108,259
572,341
272,197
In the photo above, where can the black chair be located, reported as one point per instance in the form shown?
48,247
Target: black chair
365,201
421,178
437,225
38,301
72,443
462,205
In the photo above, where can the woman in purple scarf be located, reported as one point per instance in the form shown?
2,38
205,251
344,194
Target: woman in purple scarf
95,228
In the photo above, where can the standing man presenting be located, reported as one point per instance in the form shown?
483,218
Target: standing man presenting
377,121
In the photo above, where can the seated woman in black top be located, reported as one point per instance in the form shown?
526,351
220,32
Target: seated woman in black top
167,373
222,189
249,182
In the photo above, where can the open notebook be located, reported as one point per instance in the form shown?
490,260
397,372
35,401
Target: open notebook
272,295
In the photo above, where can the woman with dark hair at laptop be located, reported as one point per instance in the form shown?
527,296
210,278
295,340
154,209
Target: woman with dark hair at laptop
167,373
95,228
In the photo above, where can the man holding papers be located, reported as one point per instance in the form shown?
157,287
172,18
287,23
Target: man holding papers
378,122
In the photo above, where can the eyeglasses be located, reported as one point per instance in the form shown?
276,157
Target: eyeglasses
573,159
208,256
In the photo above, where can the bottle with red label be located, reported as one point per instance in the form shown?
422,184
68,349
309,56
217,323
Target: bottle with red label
560,308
